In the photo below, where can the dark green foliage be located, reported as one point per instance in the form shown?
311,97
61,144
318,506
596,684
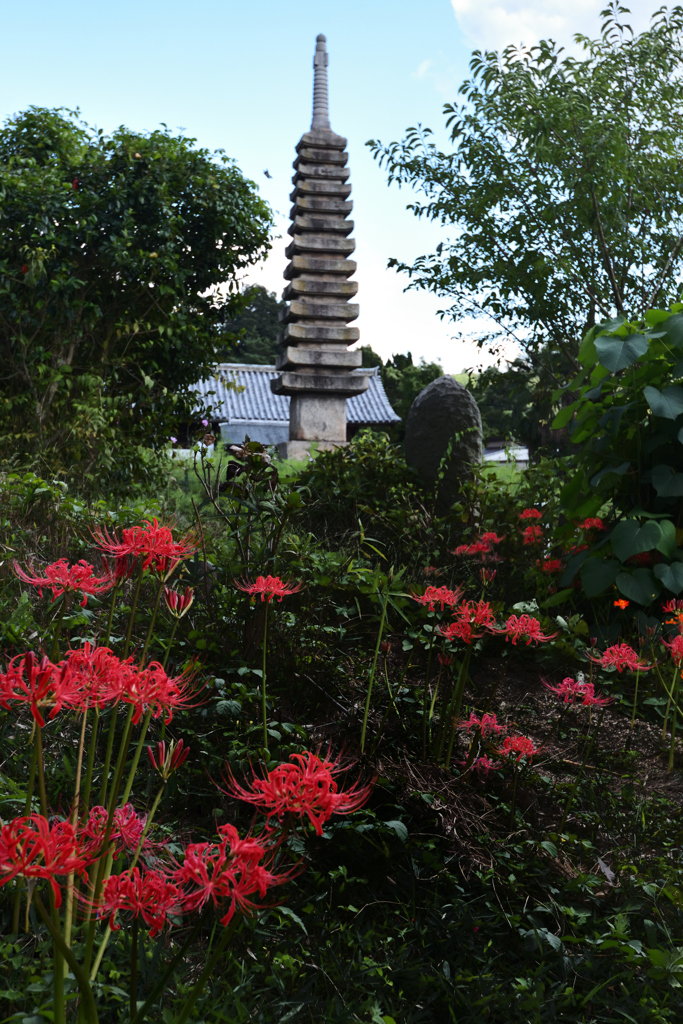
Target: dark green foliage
111,249
560,198
256,328
626,417
402,381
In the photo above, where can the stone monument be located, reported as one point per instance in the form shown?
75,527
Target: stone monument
313,344
444,416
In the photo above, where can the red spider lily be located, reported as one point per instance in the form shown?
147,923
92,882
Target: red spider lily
151,689
642,558
483,765
168,761
675,648
571,690
32,848
385,646
123,568
552,565
491,538
304,788
62,578
621,657
228,872
98,675
40,684
530,513
178,604
673,605
445,659
472,621
487,576
487,725
268,587
522,746
148,894
592,523
126,832
149,541
621,603
532,534
479,547
438,595
520,626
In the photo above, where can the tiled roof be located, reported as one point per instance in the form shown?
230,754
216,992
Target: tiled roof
258,403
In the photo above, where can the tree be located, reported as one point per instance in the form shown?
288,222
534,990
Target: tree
402,382
256,328
119,259
564,188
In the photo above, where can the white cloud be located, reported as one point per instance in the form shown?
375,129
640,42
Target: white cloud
423,68
494,24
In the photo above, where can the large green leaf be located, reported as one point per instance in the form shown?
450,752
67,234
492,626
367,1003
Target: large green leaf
667,403
630,538
597,574
615,470
617,353
674,328
667,544
671,576
564,415
640,586
667,482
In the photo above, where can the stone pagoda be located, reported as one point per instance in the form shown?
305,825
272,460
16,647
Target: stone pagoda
313,345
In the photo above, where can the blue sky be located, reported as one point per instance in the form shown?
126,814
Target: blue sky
238,76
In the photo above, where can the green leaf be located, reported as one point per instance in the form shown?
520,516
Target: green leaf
674,328
549,847
597,574
630,538
617,353
640,586
399,828
294,917
667,403
564,416
615,470
667,544
667,482
587,354
671,576
558,598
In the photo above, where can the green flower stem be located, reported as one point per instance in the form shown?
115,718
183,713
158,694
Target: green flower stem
456,704
170,642
633,715
372,670
110,617
436,692
134,969
425,696
16,909
105,861
391,695
133,609
41,773
89,766
199,985
670,695
572,792
79,974
107,756
133,863
68,913
674,701
54,652
153,619
170,970
136,757
264,708
58,965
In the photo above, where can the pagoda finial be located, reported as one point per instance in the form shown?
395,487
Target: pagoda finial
321,114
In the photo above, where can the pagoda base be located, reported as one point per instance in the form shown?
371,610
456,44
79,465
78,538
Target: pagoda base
302,449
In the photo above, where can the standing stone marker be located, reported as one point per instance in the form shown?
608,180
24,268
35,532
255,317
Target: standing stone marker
442,411
314,342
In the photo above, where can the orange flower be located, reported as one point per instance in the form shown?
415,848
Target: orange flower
621,603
